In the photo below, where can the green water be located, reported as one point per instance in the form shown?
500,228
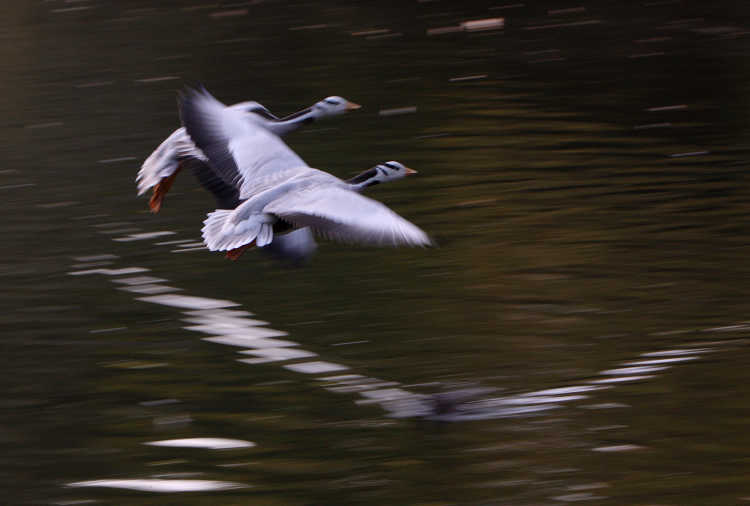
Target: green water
583,171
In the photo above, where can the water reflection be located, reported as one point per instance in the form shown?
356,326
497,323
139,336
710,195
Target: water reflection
229,325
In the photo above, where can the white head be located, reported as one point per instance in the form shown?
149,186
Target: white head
333,106
381,173
389,171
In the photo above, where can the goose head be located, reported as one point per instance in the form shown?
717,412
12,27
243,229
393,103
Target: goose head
333,106
381,173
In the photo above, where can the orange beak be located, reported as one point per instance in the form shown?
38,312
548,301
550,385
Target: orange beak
409,171
351,106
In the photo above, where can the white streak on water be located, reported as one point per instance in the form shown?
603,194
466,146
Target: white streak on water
110,272
118,159
670,353
345,389
631,370
622,379
169,243
157,79
143,236
150,289
159,485
188,302
315,367
95,258
660,361
729,328
250,342
216,322
250,331
211,443
483,24
219,313
617,448
467,78
185,250
139,280
274,355
14,186
566,390
397,111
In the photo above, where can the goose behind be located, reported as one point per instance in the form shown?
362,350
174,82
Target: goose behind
160,169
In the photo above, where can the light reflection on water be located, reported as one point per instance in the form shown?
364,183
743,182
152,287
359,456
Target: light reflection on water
233,327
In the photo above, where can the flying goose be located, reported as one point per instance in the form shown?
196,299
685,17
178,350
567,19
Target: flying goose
160,169
298,245
280,192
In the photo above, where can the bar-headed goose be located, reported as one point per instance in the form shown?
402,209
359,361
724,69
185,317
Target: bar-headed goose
298,245
280,192
161,167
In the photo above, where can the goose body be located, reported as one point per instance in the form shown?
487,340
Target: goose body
275,191
161,167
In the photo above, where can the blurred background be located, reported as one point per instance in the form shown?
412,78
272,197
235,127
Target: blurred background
580,333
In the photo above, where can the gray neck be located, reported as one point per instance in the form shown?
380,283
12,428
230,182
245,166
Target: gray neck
292,122
361,181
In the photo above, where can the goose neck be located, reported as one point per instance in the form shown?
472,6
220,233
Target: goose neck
363,180
293,121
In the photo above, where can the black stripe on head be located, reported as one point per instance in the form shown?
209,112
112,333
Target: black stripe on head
392,166
331,101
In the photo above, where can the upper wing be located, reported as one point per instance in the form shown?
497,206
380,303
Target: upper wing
242,154
343,215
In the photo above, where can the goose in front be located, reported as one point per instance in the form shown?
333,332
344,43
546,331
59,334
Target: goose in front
298,245
279,192
160,169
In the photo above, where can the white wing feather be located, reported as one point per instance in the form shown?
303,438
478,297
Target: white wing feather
341,214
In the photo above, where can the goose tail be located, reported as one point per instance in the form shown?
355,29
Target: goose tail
214,234
221,232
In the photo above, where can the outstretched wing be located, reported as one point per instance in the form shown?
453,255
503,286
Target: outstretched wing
242,154
343,215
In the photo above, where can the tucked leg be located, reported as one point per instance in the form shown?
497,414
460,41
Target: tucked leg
234,254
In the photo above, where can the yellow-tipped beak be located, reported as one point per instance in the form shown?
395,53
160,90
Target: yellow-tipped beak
351,106
410,171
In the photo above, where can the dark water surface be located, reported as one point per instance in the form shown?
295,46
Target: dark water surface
580,334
